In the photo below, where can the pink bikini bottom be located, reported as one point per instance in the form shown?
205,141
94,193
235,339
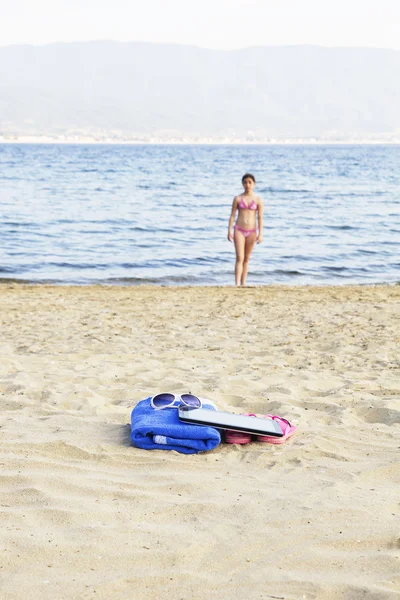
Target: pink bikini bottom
246,232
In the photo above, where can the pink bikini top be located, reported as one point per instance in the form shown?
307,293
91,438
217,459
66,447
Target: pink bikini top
251,206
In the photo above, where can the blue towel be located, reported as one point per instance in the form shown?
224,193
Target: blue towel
162,430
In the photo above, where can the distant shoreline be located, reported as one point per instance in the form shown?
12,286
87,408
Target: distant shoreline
198,142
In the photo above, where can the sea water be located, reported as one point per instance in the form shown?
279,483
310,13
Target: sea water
134,214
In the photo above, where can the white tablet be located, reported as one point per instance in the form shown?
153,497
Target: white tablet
230,421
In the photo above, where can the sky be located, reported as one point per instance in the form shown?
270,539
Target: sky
218,24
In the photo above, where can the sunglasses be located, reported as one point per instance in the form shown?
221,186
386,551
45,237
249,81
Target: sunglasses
166,400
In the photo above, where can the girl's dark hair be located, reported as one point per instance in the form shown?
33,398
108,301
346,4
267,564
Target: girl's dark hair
248,176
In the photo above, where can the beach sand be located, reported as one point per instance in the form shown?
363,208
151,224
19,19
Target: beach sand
86,515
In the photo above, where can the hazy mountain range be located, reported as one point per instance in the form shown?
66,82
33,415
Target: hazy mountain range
144,88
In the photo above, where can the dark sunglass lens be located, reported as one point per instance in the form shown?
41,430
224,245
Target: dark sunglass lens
190,400
162,400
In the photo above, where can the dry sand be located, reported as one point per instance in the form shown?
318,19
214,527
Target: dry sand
85,515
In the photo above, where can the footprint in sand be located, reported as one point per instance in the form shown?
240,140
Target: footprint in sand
387,416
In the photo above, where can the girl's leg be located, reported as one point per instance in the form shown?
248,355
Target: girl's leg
248,248
239,240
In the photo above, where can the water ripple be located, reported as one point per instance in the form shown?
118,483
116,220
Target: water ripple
127,215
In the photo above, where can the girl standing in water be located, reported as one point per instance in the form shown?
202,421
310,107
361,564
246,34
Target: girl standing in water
245,235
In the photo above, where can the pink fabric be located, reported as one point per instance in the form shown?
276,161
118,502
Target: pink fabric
239,437
245,232
251,206
287,430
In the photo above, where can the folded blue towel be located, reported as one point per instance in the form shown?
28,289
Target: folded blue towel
162,430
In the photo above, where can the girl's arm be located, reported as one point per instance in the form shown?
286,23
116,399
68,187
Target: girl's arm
231,219
260,221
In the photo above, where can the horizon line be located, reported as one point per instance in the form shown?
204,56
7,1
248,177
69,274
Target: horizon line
187,45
